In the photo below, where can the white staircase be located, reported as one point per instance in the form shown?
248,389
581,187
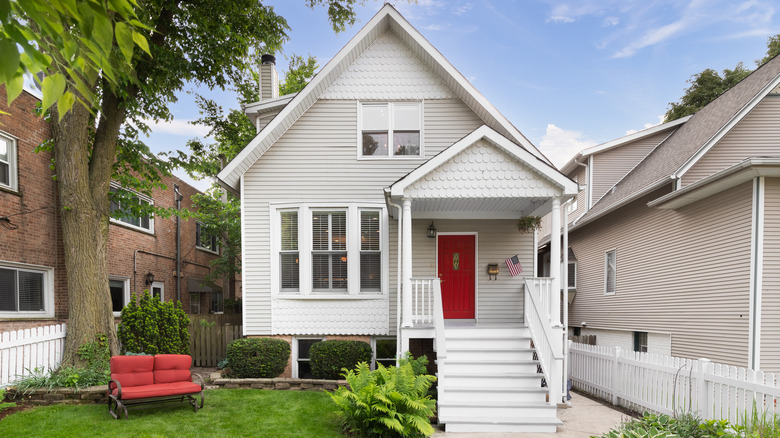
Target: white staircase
489,383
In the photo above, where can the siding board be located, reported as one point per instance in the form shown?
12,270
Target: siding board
684,272
770,303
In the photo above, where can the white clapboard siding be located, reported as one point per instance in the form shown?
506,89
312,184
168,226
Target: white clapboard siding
22,351
666,384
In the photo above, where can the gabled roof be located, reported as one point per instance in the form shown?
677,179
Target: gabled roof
622,141
690,141
388,18
484,132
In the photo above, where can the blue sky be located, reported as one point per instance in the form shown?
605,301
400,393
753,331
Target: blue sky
568,74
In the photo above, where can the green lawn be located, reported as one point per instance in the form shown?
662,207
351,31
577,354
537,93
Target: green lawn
227,413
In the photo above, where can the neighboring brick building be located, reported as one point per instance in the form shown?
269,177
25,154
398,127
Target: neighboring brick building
33,287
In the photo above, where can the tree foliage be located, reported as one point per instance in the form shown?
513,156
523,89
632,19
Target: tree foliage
707,85
154,327
299,73
124,61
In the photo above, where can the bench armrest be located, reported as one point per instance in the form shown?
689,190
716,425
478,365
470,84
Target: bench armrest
118,387
200,380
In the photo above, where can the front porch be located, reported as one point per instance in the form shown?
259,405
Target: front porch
503,333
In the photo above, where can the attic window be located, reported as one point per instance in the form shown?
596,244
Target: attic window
390,129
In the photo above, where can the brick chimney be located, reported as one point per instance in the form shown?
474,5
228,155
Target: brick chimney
269,78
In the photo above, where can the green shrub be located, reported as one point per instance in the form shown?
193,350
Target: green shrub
257,357
419,365
154,327
328,358
4,404
388,402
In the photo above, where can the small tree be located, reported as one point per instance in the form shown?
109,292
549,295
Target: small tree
154,327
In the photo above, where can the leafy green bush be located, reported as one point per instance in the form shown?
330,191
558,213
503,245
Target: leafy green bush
388,402
419,365
687,425
328,358
154,327
257,357
4,404
97,371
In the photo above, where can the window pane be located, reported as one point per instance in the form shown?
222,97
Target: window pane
338,231
571,275
304,345
289,230
5,174
385,349
289,270
406,116
319,228
369,231
117,288
611,271
320,271
30,291
8,289
375,117
339,270
406,142
375,143
370,271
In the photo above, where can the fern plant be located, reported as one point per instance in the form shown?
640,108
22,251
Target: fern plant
388,402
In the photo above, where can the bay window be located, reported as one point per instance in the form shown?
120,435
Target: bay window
330,250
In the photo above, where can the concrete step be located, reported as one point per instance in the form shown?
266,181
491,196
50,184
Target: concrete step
499,425
456,393
487,366
454,410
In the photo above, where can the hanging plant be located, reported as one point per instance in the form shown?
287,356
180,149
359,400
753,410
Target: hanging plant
527,224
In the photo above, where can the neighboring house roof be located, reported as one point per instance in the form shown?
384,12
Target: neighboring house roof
565,185
690,141
639,135
387,18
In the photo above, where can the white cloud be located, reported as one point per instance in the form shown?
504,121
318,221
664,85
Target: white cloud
559,145
433,27
462,9
560,19
181,127
647,125
611,21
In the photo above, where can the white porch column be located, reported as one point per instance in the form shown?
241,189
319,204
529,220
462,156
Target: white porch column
407,262
555,262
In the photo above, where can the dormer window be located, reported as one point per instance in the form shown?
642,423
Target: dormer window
390,129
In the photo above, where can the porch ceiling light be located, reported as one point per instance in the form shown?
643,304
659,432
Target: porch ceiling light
149,278
431,231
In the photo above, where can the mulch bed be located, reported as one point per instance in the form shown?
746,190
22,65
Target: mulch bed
18,408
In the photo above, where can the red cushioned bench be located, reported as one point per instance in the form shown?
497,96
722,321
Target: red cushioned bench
139,382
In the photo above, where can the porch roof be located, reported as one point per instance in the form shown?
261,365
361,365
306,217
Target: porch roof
483,171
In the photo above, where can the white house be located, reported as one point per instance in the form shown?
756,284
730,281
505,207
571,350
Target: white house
374,202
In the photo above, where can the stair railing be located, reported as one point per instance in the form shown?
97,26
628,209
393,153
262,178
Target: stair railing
423,301
549,350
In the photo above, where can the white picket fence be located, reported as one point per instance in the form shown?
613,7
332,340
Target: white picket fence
666,384
24,350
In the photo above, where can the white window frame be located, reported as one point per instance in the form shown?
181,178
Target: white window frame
278,248
126,283
13,171
329,251
140,197
373,349
198,234
161,285
391,124
48,291
294,352
606,271
305,283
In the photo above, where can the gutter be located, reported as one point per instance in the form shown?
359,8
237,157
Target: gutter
398,346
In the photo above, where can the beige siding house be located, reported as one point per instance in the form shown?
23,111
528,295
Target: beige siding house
677,253
377,204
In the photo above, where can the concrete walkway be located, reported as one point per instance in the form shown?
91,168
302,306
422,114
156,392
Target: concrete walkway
586,417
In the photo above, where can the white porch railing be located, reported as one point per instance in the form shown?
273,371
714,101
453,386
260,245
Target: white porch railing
422,301
22,351
548,343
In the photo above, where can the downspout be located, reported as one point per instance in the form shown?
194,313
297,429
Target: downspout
178,197
398,351
583,186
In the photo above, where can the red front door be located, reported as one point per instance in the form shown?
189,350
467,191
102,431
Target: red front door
456,270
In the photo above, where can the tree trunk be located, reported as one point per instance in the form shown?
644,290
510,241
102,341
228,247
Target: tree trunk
83,176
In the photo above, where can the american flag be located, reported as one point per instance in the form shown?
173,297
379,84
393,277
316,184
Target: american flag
513,263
